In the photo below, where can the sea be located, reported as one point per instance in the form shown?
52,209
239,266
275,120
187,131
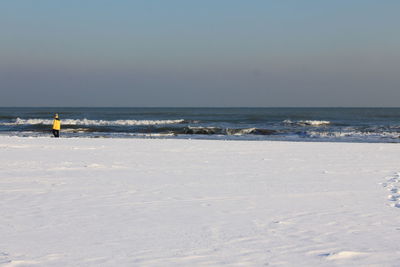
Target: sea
376,125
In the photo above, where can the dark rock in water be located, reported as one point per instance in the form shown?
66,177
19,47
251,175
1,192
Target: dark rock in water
263,131
202,130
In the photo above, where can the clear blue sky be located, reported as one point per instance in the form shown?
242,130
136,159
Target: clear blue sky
200,53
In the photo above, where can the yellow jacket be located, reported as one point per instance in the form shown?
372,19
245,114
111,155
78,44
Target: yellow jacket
56,124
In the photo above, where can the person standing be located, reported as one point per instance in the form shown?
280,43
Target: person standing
56,126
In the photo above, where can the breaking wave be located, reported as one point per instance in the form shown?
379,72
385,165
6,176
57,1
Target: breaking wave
307,123
226,131
351,134
19,121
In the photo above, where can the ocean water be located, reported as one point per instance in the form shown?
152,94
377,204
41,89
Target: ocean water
291,124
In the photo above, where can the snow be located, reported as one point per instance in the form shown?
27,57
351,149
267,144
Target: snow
155,202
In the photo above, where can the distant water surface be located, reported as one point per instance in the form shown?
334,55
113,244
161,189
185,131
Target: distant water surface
291,124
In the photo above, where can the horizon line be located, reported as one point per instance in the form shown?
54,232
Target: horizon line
220,107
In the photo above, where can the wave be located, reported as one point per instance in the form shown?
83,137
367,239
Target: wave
174,131
307,122
19,121
353,134
77,130
227,131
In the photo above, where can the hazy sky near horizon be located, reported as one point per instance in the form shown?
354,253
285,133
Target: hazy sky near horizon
200,53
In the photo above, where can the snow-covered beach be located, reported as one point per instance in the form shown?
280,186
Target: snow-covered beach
155,202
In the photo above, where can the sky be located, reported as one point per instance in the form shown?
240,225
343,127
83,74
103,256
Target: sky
208,53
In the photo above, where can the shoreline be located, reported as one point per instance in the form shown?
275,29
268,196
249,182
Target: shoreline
200,139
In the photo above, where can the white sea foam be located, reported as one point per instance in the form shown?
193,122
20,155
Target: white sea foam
19,121
336,134
307,122
241,131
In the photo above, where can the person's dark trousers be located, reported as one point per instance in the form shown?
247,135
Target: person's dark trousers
56,133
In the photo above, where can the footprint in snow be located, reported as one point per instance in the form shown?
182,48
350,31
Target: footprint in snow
342,255
4,258
393,186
